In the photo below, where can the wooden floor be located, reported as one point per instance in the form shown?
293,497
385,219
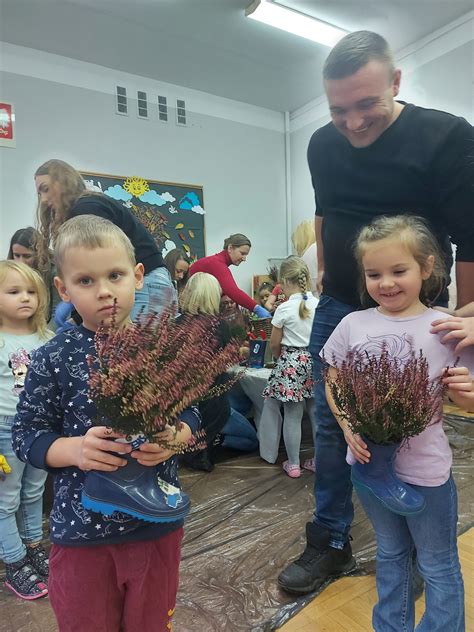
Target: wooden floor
346,605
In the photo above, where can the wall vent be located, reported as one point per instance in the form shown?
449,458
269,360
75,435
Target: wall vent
121,101
163,109
180,112
142,104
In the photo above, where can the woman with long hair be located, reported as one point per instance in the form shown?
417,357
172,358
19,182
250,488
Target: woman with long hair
23,246
178,262
62,194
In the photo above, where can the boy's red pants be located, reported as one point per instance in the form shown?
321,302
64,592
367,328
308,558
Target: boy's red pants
119,587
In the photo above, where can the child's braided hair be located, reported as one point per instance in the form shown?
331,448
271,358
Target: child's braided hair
295,271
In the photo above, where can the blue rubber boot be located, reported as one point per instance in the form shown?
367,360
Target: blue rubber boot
136,490
378,477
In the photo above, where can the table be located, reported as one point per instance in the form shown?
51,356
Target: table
252,383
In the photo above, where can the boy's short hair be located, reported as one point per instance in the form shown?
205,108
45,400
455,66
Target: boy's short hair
89,231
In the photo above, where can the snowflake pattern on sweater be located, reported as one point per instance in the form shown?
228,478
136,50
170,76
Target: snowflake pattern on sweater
56,403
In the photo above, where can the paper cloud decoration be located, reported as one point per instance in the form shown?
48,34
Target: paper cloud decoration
90,186
167,247
152,197
118,193
190,202
168,197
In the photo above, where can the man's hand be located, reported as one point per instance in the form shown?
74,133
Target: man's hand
461,329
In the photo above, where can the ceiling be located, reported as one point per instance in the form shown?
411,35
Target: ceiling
210,45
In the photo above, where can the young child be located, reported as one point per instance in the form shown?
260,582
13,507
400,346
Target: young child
401,263
291,381
23,308
201,298
107,572
264,292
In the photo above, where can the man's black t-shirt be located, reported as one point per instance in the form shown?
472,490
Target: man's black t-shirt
146,250
422,164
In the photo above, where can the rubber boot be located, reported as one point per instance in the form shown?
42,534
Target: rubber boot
318,564
136,490
378,476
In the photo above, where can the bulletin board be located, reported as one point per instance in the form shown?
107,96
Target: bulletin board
172,213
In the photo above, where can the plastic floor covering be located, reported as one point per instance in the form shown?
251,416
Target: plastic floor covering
246,524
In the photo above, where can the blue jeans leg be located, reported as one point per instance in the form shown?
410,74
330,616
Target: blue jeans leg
239,401
21,501
433,534
332,487
157,293
239,434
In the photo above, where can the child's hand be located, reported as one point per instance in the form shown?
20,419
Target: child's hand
357,445
458,379
4,466
153,454
93,450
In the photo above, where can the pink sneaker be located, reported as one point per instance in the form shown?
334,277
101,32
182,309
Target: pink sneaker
310,465
293,471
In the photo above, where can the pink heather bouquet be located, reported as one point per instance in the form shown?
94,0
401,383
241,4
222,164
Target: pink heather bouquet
146,374
384,399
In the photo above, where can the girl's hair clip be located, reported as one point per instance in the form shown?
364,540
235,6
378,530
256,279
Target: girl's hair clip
305,297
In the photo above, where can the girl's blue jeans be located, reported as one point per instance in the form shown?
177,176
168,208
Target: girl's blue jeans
433,534
157,293
21,501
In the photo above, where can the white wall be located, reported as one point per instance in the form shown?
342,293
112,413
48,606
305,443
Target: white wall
239,164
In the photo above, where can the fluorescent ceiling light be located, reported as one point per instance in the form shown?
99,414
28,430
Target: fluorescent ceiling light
294,22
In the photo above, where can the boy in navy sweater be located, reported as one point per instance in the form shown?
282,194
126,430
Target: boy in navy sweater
112,572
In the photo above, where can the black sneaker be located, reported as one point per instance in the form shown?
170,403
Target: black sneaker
23,580
38,558
318,563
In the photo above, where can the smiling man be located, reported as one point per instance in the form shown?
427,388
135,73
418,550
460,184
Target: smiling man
378,156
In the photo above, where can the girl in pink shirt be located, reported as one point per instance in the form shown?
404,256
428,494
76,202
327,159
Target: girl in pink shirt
400,262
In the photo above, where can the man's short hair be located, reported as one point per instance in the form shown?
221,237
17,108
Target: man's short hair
89,231
354,51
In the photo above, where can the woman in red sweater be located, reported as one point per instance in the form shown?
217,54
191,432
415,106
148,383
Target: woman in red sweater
236,249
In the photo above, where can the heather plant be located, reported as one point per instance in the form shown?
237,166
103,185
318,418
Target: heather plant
383,398
146,374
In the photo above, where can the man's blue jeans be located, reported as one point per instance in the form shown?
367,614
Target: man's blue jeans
333,487
433,534
21,501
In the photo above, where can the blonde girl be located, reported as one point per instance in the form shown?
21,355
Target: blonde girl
23,309
401,265
223,425
291,381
